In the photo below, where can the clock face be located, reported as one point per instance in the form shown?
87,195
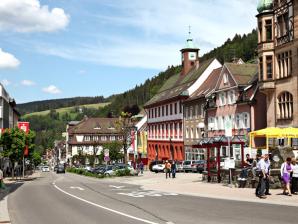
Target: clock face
192,56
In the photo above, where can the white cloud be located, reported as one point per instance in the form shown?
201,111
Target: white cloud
82,72
149,34
8,60
28,83
51,89
30,16
5,82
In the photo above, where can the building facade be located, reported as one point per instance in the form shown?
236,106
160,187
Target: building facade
238,103
278,60
165,109
195,117
89,135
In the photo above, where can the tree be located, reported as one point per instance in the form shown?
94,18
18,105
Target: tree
36,158
114,150
13,142
125,125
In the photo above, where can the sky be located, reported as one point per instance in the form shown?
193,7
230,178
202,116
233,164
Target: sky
65,48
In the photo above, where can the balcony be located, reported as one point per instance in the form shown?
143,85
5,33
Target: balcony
266,85
266,46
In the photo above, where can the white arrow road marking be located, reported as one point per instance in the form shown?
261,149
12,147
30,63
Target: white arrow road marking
103,207
117,187
141,194
79,188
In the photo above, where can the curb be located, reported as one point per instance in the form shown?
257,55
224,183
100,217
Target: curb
4,215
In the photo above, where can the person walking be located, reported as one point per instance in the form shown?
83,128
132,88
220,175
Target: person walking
1,180
263,174
294,185
285,172
168,169
173,169
141,165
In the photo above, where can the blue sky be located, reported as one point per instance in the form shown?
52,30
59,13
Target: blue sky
65,48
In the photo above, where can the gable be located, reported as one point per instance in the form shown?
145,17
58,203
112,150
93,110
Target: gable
226,79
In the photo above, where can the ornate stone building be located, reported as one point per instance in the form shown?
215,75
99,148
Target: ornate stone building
278,60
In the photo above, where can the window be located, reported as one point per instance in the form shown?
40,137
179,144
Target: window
285,106
246,123
175,107
225,78
211,123
187,133
171,109
103,138
197,133
238,121
284,63
260,31
268,27
216,123
202,111
231,97
113,138
269,66
191,112
158,111
180,108
155,112
261,68
167,110
222,99
87,138
186,112
163,111
191,133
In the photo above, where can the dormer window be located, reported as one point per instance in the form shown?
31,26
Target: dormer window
225,78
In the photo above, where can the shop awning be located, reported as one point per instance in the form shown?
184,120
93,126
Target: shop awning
274,132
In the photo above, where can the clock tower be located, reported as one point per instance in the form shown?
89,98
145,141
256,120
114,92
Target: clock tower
189,56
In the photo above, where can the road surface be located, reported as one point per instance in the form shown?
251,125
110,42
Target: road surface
74,199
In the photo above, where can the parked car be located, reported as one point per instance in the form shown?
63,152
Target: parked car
158,168
55,168
199,166
60,168
187,166
179,166
45,169
121,167
155,162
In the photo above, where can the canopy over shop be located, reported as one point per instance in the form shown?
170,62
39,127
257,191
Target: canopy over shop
217,143
274,132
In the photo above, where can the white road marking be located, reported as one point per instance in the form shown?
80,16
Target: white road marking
79,188
141,194
103,207
117,187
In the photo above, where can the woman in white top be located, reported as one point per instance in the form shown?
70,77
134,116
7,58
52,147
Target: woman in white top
294,184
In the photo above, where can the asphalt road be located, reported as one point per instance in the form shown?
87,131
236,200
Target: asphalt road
73,199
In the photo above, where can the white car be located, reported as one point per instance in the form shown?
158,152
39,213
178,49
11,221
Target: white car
158,168
45,169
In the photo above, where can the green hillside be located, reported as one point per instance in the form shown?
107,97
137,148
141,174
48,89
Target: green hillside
72,111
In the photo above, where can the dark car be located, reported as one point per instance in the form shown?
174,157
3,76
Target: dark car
199,166
55,168
60,169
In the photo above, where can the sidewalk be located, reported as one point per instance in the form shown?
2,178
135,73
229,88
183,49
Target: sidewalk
191,184
4,215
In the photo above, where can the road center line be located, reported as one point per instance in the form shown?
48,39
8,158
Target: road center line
103,207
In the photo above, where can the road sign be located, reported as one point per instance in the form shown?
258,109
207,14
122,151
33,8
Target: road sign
106,153
24,126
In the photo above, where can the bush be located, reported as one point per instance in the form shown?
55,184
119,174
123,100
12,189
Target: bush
83,172
121,173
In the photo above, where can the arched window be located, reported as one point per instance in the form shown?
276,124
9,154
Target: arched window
285,106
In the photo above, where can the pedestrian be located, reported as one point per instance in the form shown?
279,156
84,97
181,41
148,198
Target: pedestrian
173,169
1,180
168,169
294,185
248,164
285,172
141,165
263,174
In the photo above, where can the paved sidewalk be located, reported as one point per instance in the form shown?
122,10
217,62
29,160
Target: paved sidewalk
191,184
4,215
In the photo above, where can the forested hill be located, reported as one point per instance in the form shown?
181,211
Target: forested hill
243,47
239,47
35,106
